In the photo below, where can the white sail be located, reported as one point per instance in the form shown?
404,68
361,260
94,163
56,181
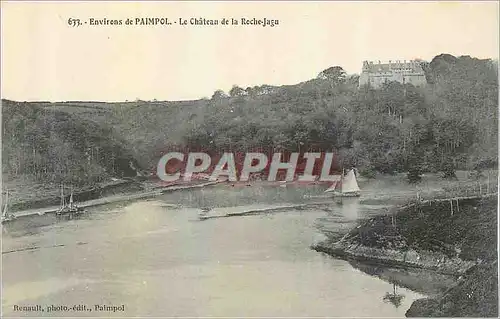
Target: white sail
349,183
335,185
331,188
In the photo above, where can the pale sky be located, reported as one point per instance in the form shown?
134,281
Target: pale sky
45,59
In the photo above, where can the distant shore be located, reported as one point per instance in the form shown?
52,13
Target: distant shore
147,191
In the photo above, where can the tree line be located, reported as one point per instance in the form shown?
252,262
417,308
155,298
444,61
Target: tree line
450,124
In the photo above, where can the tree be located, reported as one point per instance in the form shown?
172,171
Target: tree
440,66
251,91
237,91
334,73
414,164
449,170
353,79
219,95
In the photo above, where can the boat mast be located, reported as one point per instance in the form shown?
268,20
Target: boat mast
342,183
4,212
62,196
342,179
71,199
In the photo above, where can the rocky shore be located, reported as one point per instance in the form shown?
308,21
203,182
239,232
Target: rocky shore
396,258
458,239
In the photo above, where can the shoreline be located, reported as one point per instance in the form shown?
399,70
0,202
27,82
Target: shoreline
116,198
428,260
267,209
423,235
376,240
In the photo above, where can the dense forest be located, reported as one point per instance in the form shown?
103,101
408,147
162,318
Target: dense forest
452,123
51,146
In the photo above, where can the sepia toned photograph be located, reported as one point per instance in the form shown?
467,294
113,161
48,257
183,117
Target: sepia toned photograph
286,159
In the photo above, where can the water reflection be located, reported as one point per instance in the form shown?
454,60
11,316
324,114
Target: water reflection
224,195
393,298
421,280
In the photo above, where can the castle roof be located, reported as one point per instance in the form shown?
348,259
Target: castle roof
371,67
383,67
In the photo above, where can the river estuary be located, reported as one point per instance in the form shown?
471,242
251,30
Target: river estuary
162,261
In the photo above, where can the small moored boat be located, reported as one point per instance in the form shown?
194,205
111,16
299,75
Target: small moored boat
6,216
203,214
69,209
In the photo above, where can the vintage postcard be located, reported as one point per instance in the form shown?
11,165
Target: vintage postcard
249,159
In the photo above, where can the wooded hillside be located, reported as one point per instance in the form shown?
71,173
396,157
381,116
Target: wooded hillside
452,123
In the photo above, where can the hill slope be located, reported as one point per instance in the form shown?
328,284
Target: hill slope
450,124
51,146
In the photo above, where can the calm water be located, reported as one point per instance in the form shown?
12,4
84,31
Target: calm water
159,261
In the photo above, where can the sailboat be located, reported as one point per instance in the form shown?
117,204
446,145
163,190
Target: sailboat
346,187
68,209
6,217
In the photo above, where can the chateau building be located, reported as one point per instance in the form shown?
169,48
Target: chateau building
376,74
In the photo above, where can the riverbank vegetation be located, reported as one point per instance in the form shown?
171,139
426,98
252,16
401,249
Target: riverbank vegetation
474,295
465,229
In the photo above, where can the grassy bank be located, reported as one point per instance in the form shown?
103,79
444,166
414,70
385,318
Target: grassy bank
465,230
452,237
474,295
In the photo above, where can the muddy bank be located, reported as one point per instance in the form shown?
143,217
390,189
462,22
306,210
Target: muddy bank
449,237
114,196
232,212
80,195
